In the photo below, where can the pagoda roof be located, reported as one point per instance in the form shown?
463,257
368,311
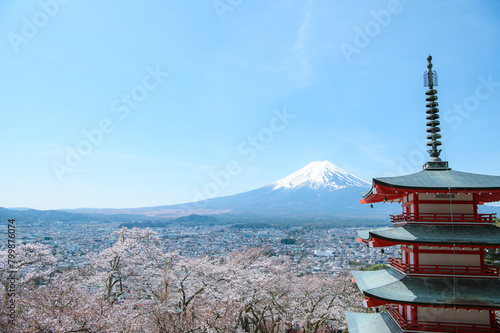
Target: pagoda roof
456,235
393,287
371,322
393,188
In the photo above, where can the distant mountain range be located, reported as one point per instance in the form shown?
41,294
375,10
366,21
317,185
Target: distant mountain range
31,216
321,191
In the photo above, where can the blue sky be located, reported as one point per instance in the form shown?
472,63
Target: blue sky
143,103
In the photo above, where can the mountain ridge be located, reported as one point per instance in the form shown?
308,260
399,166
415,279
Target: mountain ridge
320,190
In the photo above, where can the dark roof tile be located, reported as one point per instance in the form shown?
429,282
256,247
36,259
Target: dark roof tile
371,322
388,285
442,179
437,234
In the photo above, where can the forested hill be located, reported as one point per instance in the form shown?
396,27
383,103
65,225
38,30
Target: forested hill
34,216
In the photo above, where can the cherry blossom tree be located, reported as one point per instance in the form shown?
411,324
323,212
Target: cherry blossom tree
64,306
134,259
31,262
21,267
134,286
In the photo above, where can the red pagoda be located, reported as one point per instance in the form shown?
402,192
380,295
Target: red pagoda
441,282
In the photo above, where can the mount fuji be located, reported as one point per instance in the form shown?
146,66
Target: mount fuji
320,191
320,176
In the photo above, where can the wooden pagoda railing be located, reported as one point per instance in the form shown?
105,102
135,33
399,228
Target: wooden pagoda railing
441,218
412,269
417,325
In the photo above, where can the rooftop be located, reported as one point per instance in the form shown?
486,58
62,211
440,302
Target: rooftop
393,287
371,322
455,235
393,188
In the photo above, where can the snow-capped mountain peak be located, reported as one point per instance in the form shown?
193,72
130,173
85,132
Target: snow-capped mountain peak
320,175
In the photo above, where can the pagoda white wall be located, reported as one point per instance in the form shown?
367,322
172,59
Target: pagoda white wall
450,207
445,197
446,209
461,316
449,259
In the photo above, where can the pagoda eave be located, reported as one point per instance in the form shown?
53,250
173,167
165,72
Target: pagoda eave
385,193
393,287
487,188
452,235
378,301
371,322
378,242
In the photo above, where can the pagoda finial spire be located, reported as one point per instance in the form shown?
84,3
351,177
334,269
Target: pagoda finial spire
431,80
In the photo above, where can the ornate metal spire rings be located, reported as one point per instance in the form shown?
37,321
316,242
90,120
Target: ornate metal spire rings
430,80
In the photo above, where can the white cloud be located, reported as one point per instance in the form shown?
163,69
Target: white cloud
300,48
